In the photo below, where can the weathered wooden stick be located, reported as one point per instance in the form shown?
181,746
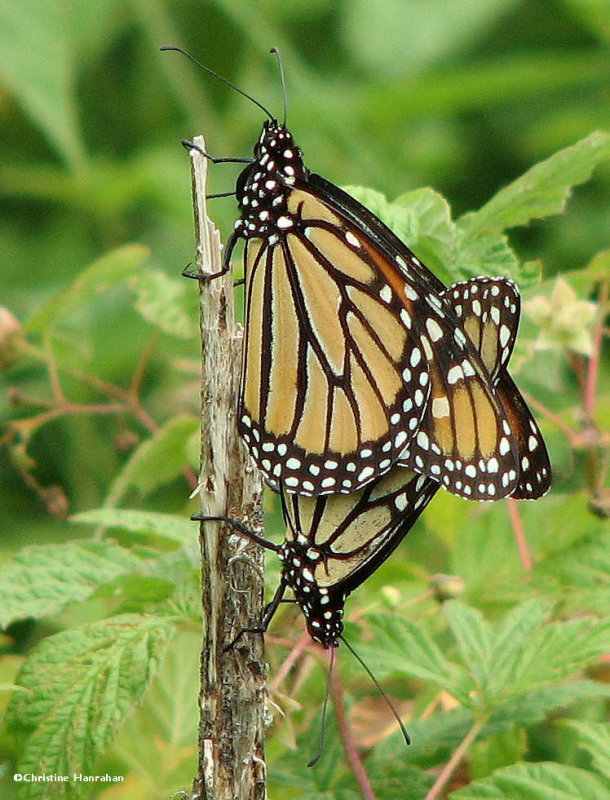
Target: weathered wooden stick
231,740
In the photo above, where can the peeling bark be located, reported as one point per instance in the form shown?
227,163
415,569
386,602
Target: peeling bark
232,697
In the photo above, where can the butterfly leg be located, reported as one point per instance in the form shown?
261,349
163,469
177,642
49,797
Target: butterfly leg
187,272
192,146
226,264
239,527
268,613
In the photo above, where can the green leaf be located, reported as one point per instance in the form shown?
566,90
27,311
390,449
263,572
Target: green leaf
541,191
379,34
543,781
436,234
82,684
475,545
595,738
395,780
42,580
473,635
158,460
165,302
135,593
523,652
421,219
434,739
107,271
397,217
578,574
287,773
496,751
533,707
166,526
537,653
37,66
554,652
487,255
169,758
405,647
509,638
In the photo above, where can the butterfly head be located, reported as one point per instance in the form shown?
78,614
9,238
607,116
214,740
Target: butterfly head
263,187
322,606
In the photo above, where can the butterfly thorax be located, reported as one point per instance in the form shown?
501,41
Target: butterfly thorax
263,187
322,606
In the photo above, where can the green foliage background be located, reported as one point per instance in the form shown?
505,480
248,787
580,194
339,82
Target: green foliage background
95,226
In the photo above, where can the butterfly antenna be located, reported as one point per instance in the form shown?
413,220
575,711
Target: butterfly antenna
220,77
320,747
280,65
389,703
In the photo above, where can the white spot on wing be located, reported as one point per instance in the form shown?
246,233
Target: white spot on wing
434,329
386,294
440,407
455,374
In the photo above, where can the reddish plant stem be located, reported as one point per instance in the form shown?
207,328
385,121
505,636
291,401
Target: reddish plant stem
138,375
58,393
62,406
289,662
454,762
349,744
520,538
64,409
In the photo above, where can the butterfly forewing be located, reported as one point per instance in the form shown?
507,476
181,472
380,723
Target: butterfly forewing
324,404
346,329
355,355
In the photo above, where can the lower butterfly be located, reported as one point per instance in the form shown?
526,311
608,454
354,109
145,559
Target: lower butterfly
335,542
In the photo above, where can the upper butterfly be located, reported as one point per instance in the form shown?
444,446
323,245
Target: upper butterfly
345,328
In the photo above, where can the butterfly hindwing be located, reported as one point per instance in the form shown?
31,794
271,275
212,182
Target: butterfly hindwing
335,542
534,463
493,332
465,440
489,311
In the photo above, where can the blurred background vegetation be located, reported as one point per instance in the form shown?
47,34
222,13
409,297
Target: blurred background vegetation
391,94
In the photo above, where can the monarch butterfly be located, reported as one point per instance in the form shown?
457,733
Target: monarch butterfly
335,542
347,335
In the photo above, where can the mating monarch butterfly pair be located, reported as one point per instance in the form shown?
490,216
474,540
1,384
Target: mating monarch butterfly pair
366,383
334,542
